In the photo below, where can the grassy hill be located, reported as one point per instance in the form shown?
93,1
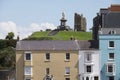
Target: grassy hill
61,35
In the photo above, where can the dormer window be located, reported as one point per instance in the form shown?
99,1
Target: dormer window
112,32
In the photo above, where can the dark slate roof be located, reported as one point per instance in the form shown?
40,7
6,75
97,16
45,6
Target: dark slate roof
88,45
46,45
112,20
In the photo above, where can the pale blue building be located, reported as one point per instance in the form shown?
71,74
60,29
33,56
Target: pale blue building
109,45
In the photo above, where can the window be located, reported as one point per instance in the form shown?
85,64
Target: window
47,56
111,44
111,56
88,57
28,70
112,32
82,78
110,68
67,78
89,68
87,78
96,78
67,56
28,56
47,71
111,77
28,79
67,70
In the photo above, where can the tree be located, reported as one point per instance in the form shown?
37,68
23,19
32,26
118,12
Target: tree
10,36
7,57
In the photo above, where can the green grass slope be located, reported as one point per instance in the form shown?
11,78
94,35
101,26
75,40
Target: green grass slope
61,35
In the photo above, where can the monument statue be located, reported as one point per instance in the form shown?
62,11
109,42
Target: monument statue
63,25
63,15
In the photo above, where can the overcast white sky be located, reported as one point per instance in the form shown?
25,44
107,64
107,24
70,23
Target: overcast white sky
26,16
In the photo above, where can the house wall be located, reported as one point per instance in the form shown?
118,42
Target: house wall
95,54
57,65
19,65
105,50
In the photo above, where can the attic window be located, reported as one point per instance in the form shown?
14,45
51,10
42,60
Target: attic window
112,32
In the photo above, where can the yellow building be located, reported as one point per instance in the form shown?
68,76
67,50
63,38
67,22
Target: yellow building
47,60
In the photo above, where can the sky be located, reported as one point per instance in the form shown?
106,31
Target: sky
23,17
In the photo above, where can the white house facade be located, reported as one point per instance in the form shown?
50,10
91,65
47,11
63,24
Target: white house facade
89,65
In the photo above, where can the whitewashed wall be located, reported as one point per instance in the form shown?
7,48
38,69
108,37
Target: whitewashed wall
95,54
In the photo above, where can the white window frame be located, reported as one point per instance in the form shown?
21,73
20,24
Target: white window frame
30,56
46,56
109,56
29,69
113,68
66,56
28,78
110,46
90,57
86,68
67,71
96,77
87,78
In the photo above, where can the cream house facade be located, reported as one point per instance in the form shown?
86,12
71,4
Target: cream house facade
47,60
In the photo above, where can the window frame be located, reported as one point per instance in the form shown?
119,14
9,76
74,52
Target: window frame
25,71
109,67
96,77
111,77
113,68
88,57
47,71
67,71
111,44
87,78
86,69
112,32
25,56
28,78
109,56
67,78
67,56
47,56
